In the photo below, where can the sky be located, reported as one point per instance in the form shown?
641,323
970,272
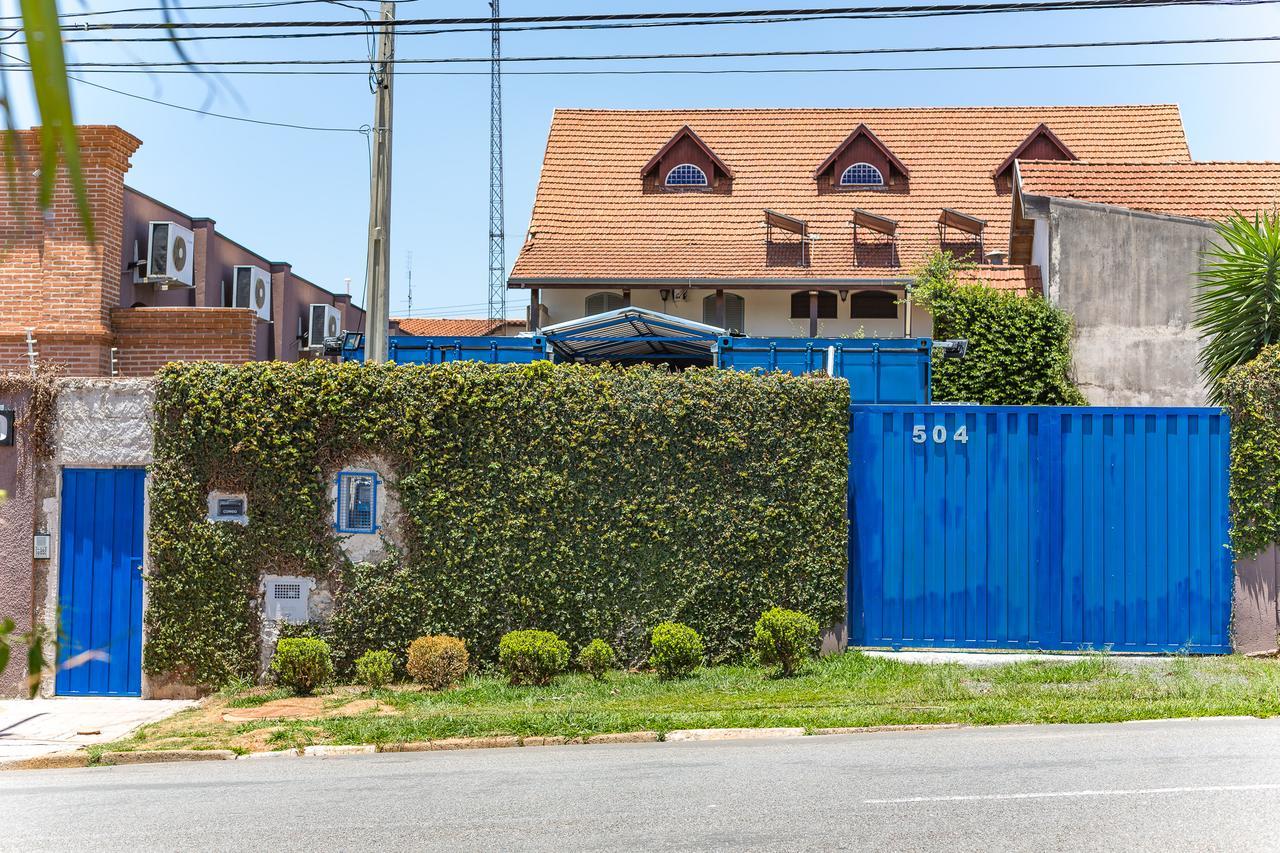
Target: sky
301,196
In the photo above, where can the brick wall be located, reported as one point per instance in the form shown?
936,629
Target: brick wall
52,279
148,338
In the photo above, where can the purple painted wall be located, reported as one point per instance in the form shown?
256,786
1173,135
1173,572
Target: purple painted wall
215,257
17,516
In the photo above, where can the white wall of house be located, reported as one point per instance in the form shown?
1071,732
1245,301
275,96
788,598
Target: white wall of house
767,313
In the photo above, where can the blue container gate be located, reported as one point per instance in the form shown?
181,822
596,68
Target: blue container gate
879,370
1039,528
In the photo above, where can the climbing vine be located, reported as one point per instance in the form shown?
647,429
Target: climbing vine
1251,393
590,501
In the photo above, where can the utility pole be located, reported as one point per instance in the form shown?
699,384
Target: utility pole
378,281
497,237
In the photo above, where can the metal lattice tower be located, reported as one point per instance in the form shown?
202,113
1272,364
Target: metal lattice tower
497,247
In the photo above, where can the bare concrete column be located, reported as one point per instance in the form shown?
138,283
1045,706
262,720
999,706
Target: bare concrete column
1254,621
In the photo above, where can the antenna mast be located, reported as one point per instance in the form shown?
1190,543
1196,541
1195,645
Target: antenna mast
497,247
409,276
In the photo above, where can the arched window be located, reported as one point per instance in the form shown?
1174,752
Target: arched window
826,305
735,312
873,305
598,303
861,175
686,175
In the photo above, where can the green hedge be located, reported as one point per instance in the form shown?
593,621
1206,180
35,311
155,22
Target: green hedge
593,502
1019,346
1251,393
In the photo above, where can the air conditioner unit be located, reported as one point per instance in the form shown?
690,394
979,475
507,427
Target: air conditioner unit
326,322
251,288
170,255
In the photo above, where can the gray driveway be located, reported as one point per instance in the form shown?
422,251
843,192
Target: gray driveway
38,726
1167,786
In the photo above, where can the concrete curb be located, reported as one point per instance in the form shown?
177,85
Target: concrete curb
278,753
49,761
165,755
904,727
332,750
731,734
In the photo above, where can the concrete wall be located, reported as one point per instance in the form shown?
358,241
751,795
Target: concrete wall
1255,622
768,313
17,512
1127,278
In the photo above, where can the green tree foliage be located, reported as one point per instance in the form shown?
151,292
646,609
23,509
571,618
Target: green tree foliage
532,657
1019,346
1251,393
1237,303
592,502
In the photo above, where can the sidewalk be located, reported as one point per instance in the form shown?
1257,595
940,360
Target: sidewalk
38,726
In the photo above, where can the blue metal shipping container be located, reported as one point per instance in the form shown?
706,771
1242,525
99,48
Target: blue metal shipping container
1039,528
879,370
409,349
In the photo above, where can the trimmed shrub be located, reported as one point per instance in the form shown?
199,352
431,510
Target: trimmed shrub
596,658
532,657
1019,346
704,496
785,637
1251,393
302,664
676,650
375,669
438,661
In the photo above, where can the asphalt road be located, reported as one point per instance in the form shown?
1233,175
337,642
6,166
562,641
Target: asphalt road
1168,786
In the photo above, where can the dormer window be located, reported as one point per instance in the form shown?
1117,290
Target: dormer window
686,175
1040,144
686,164
861,175
861,162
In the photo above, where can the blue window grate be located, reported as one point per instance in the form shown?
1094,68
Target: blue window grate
861,175
357,502
686,175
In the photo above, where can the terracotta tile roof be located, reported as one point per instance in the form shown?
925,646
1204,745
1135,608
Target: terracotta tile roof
1199,190
462,327
591,219
1023,279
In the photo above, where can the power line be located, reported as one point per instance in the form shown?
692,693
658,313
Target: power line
25,66
625,25
629,72
701,55
852,12
266,4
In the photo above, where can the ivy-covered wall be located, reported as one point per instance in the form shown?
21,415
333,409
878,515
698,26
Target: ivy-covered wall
588,501
1251,393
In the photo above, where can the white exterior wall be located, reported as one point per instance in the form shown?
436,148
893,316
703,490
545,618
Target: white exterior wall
767,313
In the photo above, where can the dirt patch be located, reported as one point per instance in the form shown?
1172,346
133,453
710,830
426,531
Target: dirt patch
303,708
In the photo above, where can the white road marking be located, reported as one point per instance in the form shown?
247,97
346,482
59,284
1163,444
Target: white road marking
1044,795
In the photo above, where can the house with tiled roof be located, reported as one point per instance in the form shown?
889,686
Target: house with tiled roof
461,327
1119,244
803,222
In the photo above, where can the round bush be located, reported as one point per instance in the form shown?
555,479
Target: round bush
374,669
302,664
676,649
785,637
596,658
532,657
438,661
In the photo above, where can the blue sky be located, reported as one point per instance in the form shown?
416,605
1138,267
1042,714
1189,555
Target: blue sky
302,196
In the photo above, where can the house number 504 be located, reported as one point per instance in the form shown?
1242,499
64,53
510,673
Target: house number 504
920,434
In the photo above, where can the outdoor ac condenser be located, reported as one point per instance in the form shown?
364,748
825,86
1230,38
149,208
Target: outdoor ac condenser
251,288
326,322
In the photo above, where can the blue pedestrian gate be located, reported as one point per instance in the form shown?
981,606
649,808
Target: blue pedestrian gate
1039,528
100,582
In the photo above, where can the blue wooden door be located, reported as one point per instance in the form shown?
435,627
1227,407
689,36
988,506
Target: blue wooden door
100,582
1039,528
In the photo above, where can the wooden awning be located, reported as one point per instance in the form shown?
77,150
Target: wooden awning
961,221
878,224
774,219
